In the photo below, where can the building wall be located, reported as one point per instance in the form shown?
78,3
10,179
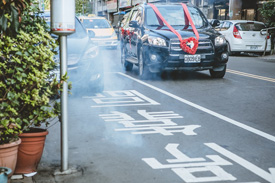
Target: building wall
213,9
229,9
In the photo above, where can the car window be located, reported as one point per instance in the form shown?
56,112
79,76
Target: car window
174,15
138,16
125,17
134,15
80,32
225,26
250,26
96,23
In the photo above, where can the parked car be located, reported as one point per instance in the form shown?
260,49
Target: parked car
154,48
85,68
244,36
100,31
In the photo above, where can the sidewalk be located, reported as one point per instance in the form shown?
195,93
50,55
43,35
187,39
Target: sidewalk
270,58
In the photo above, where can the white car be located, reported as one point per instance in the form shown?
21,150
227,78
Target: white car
245,36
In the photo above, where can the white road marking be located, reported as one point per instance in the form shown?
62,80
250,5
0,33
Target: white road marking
244,163
272,171
121,98
222,117
186,167
247,182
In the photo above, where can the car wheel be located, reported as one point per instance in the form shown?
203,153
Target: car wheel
218,74
142,68
125,64
229,49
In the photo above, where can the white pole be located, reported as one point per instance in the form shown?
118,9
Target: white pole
64,104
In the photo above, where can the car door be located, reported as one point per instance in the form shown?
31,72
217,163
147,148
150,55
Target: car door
129,32
136,33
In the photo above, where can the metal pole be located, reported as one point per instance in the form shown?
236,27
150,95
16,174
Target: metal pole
64,104
267,34
96,8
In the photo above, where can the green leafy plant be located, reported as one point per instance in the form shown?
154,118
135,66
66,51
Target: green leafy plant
10,15
27,80
268,13
83,7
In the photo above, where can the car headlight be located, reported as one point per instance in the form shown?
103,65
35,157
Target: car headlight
219,40
91,53
156,41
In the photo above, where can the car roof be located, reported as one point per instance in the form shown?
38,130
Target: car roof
158,4
95,17
242,21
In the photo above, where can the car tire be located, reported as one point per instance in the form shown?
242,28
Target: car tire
143,70
229,49
217,74
128,66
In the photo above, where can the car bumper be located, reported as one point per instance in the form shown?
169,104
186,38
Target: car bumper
167,59
249,46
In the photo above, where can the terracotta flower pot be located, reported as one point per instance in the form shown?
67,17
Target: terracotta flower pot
8,155
30,150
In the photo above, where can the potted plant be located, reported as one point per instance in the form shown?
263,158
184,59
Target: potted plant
27,82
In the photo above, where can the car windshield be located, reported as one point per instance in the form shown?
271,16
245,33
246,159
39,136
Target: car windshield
96,23
250,26
174,15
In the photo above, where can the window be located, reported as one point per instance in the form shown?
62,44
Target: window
96,23
250,26
80,32
174,15
226,26
138,16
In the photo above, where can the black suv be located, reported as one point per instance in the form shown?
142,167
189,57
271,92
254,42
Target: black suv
148,43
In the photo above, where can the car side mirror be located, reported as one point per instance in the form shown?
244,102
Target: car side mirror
133,24
215,23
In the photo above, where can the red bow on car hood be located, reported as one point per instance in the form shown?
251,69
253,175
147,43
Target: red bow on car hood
183,42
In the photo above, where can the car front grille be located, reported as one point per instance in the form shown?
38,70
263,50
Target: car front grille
205,46
176,56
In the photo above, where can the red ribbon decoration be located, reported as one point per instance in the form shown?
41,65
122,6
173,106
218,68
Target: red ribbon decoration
183,43
130,34
122,31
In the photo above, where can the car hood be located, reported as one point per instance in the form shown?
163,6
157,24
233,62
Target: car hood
102,32
166,33
76,48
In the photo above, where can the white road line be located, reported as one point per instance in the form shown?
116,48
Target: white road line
244,163
229,120
272,171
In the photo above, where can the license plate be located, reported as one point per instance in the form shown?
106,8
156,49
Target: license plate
253,47
192,58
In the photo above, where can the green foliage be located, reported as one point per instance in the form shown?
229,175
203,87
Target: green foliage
10,15
27,82
268,13
83,7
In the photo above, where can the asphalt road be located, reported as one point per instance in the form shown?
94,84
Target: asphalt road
174,127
